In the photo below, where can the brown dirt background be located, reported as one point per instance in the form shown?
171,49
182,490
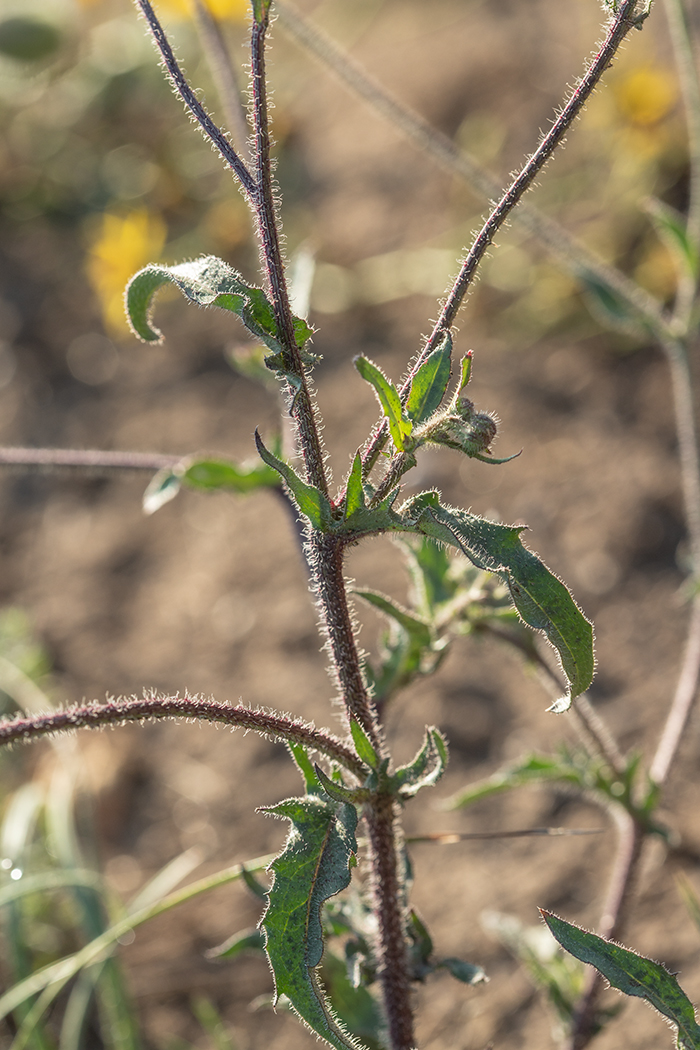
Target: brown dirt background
210,595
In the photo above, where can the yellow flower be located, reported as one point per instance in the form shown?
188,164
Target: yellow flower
122,245
233,10
646,95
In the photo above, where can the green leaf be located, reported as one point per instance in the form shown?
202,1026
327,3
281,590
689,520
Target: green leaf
399,426
354,493
162,487
207,281
671,227
609,308
418,630
311,501
465,371
430,382
467,973
212,474
243,941
313,866
337,790
632,974
541,599
533,769
28,39
355,1006
305,767
426,768
363,744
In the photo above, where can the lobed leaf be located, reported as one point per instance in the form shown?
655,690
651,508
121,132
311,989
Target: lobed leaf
313,866
429,384
632,974
399,426
541,599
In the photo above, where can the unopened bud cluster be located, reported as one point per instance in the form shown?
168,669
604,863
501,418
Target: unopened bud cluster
464,429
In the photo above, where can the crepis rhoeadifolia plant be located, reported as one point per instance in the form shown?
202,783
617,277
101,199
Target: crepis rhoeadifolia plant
467,573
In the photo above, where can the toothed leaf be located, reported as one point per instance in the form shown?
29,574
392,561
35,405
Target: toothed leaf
399,427
313,866
632,974
430,382
542,600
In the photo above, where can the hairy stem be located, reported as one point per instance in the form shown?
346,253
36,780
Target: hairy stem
224,76
119,712
615,912
575,256
89,461
183,89
618,29
325,556
387,890
272,257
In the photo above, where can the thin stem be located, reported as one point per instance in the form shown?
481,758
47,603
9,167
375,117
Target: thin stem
597,732
394,967
686,691
615,912
274,265
684,410
690,85
179,82
224,75
91,461
119,712
575,256
618,29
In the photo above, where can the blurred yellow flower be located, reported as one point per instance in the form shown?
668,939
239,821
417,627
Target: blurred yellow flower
121,245
233,10
646,95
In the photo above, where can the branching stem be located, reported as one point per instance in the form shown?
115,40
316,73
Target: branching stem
119,712
618,29
179,82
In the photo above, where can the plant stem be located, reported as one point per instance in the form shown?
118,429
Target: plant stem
618,29
272,257
387,885
119,712
224,76
688,75
325,557
575,256
91,461
179,82
615,911
685,694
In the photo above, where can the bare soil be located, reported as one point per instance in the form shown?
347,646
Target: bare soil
210,595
